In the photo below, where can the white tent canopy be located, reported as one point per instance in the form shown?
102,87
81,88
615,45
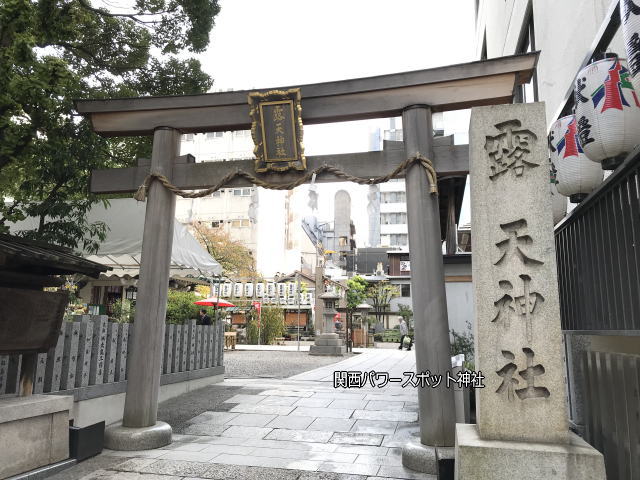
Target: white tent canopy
122,248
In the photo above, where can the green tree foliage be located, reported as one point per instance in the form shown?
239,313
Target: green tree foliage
356,291
381,294
271,325
55,51
181,307
463,343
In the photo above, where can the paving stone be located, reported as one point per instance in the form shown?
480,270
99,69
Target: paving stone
217,418
398,440
391,416
401,472
337,395
227,472
231,441
302,455
270,462
407,428
263,409
177,467
278,400
358,469
385,406
221,448
185,446
242,398
379,460
111,475
246,432
374,426
323,412
313,402
329,476
291,422
353,404
188,456
251,419
134,464
363,449
299,435
357,439
205,429
332,424
292,445
288,393
134,453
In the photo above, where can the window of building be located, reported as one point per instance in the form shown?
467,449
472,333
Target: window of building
405,290
216,193
342,241
244,222
188,137
393,197
528,92
393,218
398,239
217,223
242,192
211,135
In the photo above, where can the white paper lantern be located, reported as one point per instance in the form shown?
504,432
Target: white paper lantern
260,290
576,175
237,289
226,289
248,289
630,19
271,289
607,112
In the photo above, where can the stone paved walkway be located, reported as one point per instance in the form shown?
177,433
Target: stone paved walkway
299,428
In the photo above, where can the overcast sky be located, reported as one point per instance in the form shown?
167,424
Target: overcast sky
277,43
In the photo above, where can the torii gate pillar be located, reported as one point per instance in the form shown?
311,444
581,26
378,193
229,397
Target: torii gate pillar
140,429
431,331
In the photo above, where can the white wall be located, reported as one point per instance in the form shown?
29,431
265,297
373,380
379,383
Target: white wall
564,33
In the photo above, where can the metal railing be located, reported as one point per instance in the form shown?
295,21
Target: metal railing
598,255
612,401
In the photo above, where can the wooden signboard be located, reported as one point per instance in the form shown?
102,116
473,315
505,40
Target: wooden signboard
277,130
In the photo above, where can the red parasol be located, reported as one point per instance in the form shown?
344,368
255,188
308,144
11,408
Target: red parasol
214,302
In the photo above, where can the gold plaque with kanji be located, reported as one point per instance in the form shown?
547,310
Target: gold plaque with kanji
277,130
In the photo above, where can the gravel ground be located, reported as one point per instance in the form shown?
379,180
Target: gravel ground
272,364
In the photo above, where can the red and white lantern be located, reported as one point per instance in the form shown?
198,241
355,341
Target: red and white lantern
607,112
630,20
576,175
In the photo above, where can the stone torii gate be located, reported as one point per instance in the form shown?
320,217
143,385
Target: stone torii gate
414,95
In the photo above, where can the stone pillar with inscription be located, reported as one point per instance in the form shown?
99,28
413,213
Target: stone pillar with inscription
522,430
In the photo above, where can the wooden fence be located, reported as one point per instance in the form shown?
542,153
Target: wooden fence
612,401
93,351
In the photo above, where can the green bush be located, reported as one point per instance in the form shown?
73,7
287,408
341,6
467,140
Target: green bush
377,337
181,307
463,343
124,311
272,326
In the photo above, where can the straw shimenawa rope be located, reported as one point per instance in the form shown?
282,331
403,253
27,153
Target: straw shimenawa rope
141,193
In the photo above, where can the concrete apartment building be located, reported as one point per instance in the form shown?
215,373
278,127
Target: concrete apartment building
600,318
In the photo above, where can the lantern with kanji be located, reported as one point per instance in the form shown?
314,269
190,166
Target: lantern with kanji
607,112
576,176
630,21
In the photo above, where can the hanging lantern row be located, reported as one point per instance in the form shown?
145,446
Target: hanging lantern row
630,20
607,112
576,176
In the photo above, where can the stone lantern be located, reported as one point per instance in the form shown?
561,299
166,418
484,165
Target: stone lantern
328,343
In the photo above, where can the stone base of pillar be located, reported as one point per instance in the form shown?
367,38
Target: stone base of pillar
119,437
328,344
480,459
426,459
